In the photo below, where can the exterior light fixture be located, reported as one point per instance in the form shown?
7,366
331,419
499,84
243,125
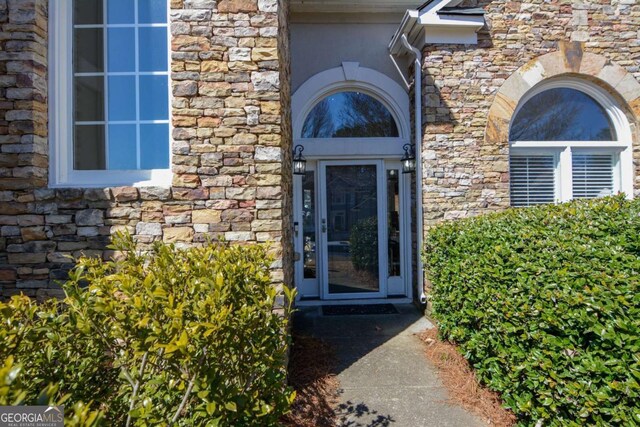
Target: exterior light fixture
299,162
409,158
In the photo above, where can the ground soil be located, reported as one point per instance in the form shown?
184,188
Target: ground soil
461,383
312,375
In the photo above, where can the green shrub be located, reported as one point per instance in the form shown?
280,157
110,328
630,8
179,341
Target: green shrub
545,304
172,337
363,245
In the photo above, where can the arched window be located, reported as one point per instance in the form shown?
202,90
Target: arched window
562,114
564,145
349,115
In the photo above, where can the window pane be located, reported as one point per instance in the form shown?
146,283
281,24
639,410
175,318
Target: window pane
393,220
153,48
121,12
532,180
309,225
349,114
87,12
122,55
154,146
592,175
562,115
88,147
352,229
89,98
122,147
154,96
88,50
122,98
152,11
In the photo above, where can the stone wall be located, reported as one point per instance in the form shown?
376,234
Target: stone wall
466,172
231,146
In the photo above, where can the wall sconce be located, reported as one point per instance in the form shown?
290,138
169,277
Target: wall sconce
409,158
299,162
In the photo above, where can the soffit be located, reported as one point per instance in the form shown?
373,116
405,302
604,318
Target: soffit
353,6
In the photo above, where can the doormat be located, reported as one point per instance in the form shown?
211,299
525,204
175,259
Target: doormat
346,310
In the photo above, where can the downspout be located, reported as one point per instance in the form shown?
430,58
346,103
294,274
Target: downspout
417,89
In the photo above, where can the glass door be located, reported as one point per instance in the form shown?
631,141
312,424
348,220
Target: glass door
351,200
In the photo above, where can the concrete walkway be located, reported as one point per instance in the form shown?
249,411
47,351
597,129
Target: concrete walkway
385,379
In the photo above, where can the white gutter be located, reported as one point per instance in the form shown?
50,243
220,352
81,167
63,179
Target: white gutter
419,26
417,89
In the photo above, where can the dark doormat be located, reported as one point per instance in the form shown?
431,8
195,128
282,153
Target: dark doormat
345,310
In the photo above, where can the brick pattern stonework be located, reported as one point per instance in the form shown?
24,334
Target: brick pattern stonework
466,162
231,146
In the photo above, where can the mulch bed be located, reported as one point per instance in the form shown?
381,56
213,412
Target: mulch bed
461,383
312,375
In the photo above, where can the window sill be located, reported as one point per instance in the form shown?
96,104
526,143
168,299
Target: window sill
105,179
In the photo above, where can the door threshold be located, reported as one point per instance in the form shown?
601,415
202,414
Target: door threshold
363,301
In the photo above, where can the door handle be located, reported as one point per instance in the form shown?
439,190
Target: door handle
324,225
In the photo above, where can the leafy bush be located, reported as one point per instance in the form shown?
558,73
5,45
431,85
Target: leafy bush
363,245
172,337
545,304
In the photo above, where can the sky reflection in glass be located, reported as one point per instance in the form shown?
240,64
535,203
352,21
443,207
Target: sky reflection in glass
562,114
349,115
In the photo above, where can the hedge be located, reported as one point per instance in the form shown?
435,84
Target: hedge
171,337
544,302
363,245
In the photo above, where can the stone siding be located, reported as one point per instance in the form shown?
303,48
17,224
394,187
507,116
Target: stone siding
467,173
231,146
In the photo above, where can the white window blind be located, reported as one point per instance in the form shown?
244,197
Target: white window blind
592,175
532,179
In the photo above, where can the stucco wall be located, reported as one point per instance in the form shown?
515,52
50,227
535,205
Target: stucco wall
322,46
231,146
466,167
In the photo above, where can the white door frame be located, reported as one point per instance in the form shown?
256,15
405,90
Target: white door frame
317,288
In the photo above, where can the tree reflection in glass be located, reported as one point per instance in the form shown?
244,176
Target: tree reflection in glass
562,114
349,115
352,229
309,224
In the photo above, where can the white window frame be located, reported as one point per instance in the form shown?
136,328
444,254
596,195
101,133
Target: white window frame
351,77
61,172
621,148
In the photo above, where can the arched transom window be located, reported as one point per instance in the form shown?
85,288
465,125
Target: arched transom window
564,144
349,115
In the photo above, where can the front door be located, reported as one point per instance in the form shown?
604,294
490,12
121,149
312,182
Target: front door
351,230
351,248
